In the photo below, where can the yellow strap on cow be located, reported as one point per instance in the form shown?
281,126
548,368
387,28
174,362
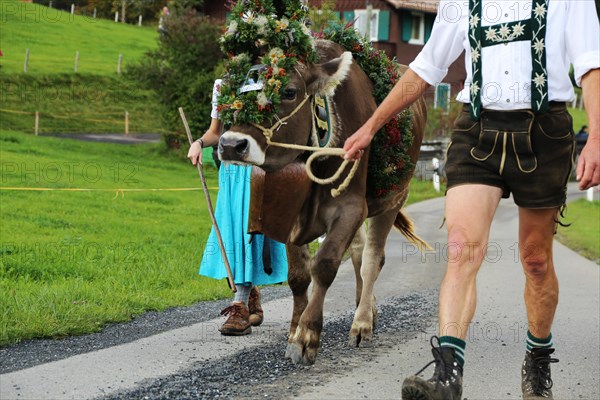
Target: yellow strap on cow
317,153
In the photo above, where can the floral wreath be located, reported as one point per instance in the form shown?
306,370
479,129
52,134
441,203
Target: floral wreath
256,26
389,163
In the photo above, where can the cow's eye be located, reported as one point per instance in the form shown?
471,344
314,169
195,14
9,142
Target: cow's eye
290,93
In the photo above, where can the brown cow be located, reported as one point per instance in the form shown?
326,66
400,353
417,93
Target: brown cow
340,218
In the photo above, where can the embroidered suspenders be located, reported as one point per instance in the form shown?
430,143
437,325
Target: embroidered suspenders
533,30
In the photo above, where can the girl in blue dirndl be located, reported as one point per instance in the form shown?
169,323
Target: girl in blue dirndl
254,259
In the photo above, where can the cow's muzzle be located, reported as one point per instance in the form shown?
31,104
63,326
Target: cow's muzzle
233,148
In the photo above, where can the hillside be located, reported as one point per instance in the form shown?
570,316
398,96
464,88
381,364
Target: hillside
53,37
93,100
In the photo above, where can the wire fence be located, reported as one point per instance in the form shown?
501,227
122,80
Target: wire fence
122,122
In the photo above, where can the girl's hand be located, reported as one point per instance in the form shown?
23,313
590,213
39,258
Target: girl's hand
195,153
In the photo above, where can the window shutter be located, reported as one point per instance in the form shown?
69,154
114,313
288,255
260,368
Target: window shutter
406,26
384,25
429,19
349,16
227,15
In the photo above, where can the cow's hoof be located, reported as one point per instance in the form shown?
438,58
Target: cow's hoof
361,339
354,341
298,355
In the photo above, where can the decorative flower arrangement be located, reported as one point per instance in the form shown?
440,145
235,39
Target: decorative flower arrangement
275,35
262,32
389,163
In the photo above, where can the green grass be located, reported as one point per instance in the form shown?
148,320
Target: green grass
95,99
71,103
53,37
579,118
72,261
583,235
421,190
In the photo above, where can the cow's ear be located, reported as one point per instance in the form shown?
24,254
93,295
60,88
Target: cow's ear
324,78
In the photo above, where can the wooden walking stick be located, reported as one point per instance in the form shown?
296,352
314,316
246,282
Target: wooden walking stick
210,207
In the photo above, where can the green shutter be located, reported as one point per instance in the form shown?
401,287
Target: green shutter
349,16
227,15
429,19
406,26
384,25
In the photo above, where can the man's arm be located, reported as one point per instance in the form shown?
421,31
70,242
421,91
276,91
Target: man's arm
408,89
588,166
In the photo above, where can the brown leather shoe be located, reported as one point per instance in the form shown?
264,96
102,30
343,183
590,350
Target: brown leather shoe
238,323
256,311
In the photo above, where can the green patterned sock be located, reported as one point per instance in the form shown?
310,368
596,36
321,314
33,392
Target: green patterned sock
537,343
458,345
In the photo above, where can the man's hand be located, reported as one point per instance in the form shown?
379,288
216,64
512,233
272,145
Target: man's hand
588,165
355,144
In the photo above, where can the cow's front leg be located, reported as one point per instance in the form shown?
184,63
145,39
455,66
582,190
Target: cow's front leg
365,317
299,280
356,252
304,345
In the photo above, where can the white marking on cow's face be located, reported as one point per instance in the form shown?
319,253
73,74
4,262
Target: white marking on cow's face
254,155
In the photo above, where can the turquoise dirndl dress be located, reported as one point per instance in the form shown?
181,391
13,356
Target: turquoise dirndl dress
245,257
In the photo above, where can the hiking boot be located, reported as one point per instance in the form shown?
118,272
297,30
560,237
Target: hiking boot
256,311
535,374
238,323
446,383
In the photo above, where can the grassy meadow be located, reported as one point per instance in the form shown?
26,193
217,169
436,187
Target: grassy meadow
53,36
73,261
583,235
93,100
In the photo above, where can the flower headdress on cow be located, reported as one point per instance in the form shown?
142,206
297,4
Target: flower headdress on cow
264,40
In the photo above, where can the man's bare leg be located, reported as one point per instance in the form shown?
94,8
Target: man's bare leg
536,233
469,213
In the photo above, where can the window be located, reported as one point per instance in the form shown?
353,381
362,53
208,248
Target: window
417,28
361,23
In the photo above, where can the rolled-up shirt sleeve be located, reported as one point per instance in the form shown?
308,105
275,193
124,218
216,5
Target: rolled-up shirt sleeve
583,38
214,114
445,43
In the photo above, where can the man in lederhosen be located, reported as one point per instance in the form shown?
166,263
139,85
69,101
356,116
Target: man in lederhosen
514,135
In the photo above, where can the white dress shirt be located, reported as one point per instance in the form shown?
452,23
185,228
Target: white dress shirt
572,37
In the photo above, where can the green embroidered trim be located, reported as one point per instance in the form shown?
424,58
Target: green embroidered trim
475,43
533,29
506,33
539,73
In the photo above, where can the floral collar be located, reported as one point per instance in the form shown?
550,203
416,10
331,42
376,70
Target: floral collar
533,29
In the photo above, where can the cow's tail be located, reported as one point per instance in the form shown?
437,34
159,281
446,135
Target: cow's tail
406,227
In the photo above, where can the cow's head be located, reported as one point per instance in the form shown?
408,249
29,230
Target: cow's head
247,144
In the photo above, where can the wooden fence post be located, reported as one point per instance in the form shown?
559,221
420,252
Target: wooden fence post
126,123
50,4
76,60
119,63
116,16
37,123
72,9
94,12
140,21
26,65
